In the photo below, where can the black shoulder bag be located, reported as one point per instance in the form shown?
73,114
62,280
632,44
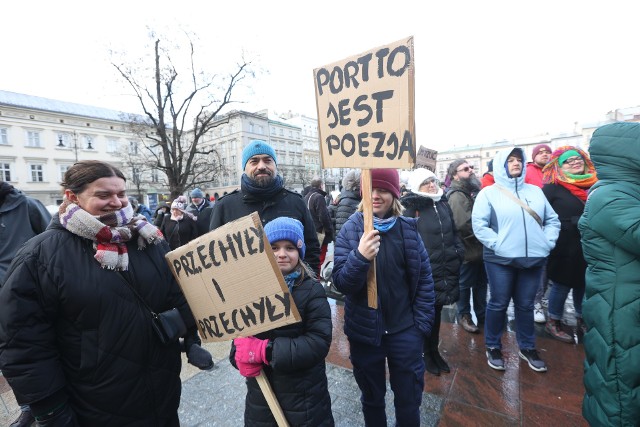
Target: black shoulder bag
168,325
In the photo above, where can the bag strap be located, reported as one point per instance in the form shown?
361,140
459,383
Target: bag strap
137,294
521,203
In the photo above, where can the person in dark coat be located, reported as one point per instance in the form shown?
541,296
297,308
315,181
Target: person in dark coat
394,331
567,178
158,215
316,203
291,356
76,343
445,249
179,228
21,218
349,198
262,191
611,306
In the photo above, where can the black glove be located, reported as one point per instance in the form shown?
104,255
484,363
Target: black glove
199,357
61,417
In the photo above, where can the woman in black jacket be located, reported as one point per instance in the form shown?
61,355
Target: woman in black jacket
180,227
291,356
76,342
567,178
348,200
446,252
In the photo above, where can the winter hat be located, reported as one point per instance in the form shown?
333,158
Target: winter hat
180,203
387,179
256,147
566,155
419,176
539,147
285,228
197,193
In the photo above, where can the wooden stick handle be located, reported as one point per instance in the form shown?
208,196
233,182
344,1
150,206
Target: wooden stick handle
274,405
367,210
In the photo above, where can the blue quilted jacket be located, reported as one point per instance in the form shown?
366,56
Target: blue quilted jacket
364,324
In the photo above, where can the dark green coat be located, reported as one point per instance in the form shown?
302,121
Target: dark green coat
610,229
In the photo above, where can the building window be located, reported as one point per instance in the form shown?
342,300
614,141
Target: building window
112,145
5,171
33,138
281,132
155,176
4,137
273,130
37,173
62,169
251,127
133,148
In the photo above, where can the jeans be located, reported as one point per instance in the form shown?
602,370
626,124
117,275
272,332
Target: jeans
507,282
558,296
473,278
403,353
542,289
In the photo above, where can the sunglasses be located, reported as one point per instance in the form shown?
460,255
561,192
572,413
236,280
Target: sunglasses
465,169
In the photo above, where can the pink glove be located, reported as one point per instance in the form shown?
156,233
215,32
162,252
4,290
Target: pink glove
249,369
251,350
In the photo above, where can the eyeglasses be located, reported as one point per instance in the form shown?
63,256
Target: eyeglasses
431,181
574,160
464,169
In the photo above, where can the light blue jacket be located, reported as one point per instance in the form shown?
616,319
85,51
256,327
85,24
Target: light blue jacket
510,235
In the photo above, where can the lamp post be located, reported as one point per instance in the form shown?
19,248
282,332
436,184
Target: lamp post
74,135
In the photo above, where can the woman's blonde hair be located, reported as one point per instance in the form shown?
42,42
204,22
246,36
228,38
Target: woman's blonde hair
396,207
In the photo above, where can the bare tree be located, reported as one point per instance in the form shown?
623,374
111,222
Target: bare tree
179,111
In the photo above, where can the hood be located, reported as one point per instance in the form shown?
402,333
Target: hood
500,168
615,152
12,199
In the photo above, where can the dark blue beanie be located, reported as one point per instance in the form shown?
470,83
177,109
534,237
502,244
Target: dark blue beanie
256,147
285,228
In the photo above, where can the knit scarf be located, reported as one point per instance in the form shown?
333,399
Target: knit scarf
384,225
578,185
290,279
249,186
109,232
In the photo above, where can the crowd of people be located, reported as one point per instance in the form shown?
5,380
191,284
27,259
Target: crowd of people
82,286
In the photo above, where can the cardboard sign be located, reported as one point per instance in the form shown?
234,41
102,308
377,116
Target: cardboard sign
366,109
232,282
427,159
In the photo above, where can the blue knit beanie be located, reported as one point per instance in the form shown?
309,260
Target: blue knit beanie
256,147
285,228
197,193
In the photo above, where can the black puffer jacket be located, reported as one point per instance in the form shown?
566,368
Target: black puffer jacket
286,203
297,370
71,330
347,204
440,237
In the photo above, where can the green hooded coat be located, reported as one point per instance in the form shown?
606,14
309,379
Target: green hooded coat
610,230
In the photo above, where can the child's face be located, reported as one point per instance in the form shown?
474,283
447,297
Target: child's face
287,255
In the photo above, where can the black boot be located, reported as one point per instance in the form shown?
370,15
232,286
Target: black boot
440,362
430,364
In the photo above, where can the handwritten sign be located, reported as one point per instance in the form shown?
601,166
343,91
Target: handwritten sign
365,109
232,282
427,159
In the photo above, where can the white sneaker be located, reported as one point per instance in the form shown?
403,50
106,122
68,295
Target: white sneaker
538,314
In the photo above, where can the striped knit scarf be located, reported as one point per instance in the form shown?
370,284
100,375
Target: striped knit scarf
109,232
579,185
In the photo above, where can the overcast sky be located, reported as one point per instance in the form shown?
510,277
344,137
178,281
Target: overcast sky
485,70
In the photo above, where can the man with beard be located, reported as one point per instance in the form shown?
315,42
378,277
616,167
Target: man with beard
462,193
262,191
